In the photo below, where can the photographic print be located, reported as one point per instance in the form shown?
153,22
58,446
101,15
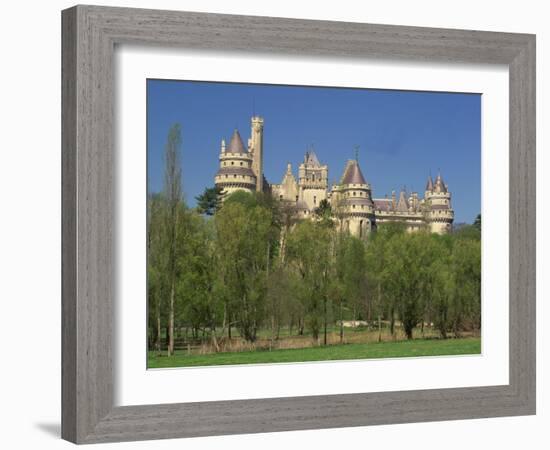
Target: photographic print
290,224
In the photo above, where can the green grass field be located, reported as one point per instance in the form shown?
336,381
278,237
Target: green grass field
416,347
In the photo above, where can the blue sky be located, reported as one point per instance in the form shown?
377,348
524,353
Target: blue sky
402,135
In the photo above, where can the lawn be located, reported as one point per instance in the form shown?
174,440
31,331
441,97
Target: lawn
416,347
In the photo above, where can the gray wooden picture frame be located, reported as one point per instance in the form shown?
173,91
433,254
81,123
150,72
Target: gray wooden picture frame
90,34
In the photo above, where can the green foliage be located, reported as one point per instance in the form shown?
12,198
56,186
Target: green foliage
422,277
244,240
210,200
468,232
477,222
308,250
324,212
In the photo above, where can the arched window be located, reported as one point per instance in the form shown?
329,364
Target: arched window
360,228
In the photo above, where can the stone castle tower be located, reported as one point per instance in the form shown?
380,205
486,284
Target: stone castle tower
255,147
240,168
351,199
437,200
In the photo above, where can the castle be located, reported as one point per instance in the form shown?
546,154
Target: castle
351,199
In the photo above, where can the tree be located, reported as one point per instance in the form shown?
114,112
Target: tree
156,267
308,249
244,240
173,198
210,200
409,255
324,212
477,222
466,266
348,286
196,273
288,218
382,272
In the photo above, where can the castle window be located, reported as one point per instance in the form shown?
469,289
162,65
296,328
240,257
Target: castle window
232,163
241,163
224,163
360,228
226,176
296,198
280,197
234,176
353,206
354,193
313,177
314,199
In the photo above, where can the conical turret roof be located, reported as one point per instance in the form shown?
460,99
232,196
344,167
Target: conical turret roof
236,144
353,174
430,184
440,184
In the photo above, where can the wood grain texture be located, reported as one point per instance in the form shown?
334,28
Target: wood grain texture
89,37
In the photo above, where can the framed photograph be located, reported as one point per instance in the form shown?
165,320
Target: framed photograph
278,224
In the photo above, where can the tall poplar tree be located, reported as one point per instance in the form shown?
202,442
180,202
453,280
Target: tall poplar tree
173,198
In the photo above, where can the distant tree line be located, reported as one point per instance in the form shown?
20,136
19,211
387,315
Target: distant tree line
248,264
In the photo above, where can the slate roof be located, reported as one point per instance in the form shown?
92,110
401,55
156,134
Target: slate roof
430,184
352,173
383,204
311,159
440,184
236,144
358,201
236,170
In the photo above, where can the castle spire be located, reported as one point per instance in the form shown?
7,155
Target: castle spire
236,143
430,183
353,174
440,185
